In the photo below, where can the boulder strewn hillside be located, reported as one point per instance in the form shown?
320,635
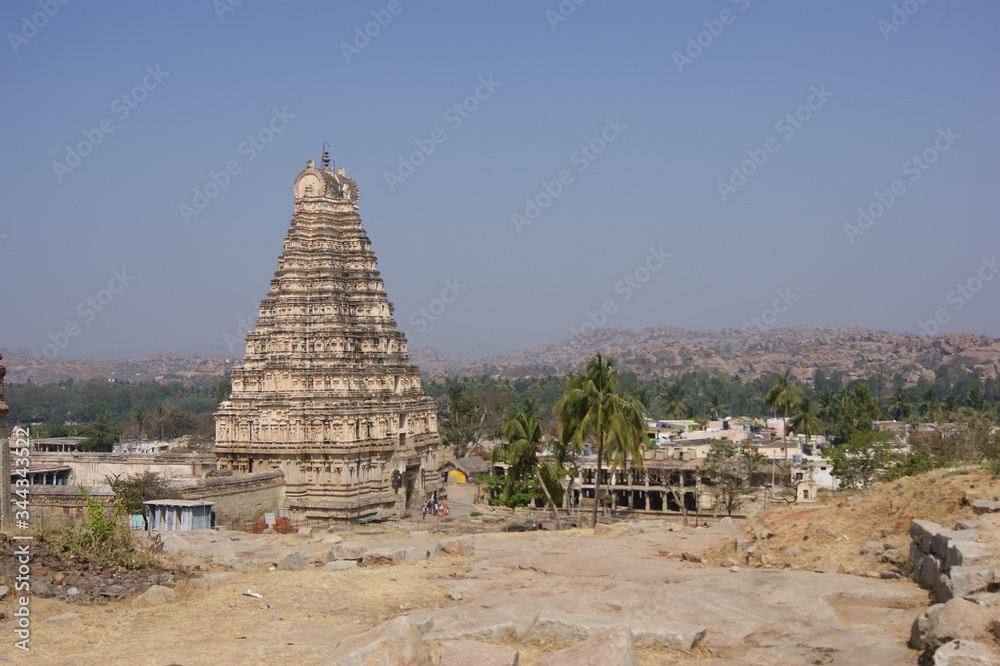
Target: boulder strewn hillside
667,350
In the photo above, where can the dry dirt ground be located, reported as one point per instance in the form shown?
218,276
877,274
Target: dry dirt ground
783,614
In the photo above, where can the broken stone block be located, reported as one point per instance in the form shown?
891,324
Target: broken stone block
305,532
613,647
870,547
964,653
349,550
922,531
943,540
830,565
985,506
157,594
462,653
340,565
966,553
414,553
930,570
459,546
397,642
176,545
422,535
969,580
332,540
968,524
382,556
988,599
292,561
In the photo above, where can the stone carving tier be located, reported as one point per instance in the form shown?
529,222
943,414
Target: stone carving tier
326,392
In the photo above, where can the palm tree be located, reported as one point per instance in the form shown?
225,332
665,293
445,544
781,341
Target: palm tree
676,408
828,407
591,407
160,411
805,419
715,407
140,418
625,443
929,404
523,431
900,405
783,394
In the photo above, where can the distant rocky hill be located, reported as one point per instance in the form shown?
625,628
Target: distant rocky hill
22,366
666,351
663,351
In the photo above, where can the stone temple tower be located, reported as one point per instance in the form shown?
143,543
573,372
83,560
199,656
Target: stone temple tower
326,392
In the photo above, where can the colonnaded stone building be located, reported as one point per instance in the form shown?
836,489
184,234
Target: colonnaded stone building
326,392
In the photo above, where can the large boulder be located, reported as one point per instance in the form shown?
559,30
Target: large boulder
967,553
176,545
965,653
985,506
414,553
394,643
943,540
945,622
340,565
612,647
830,565
966,581
463,653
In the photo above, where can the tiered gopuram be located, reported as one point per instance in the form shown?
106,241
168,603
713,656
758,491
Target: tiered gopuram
326,392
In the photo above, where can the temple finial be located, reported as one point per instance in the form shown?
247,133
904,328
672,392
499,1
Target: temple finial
326,156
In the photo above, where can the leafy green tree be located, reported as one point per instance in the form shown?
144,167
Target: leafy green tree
222,391
929,406
101,436
466,415
861,459
732,469
975,400
131,492
522,431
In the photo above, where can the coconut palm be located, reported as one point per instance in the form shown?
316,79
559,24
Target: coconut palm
591,407
522,430
900,404
805,419
929,404
674,397
626,442
782,395
715,407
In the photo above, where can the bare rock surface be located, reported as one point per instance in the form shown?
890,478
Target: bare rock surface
612,647
965,653
394,643
945,622
463,653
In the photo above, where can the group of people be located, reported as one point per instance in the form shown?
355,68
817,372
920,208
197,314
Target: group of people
434,509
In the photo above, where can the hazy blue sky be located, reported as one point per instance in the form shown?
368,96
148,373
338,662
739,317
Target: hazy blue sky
834,100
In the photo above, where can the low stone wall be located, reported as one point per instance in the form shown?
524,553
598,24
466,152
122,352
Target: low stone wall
48,503
952,563
92,469
238,499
